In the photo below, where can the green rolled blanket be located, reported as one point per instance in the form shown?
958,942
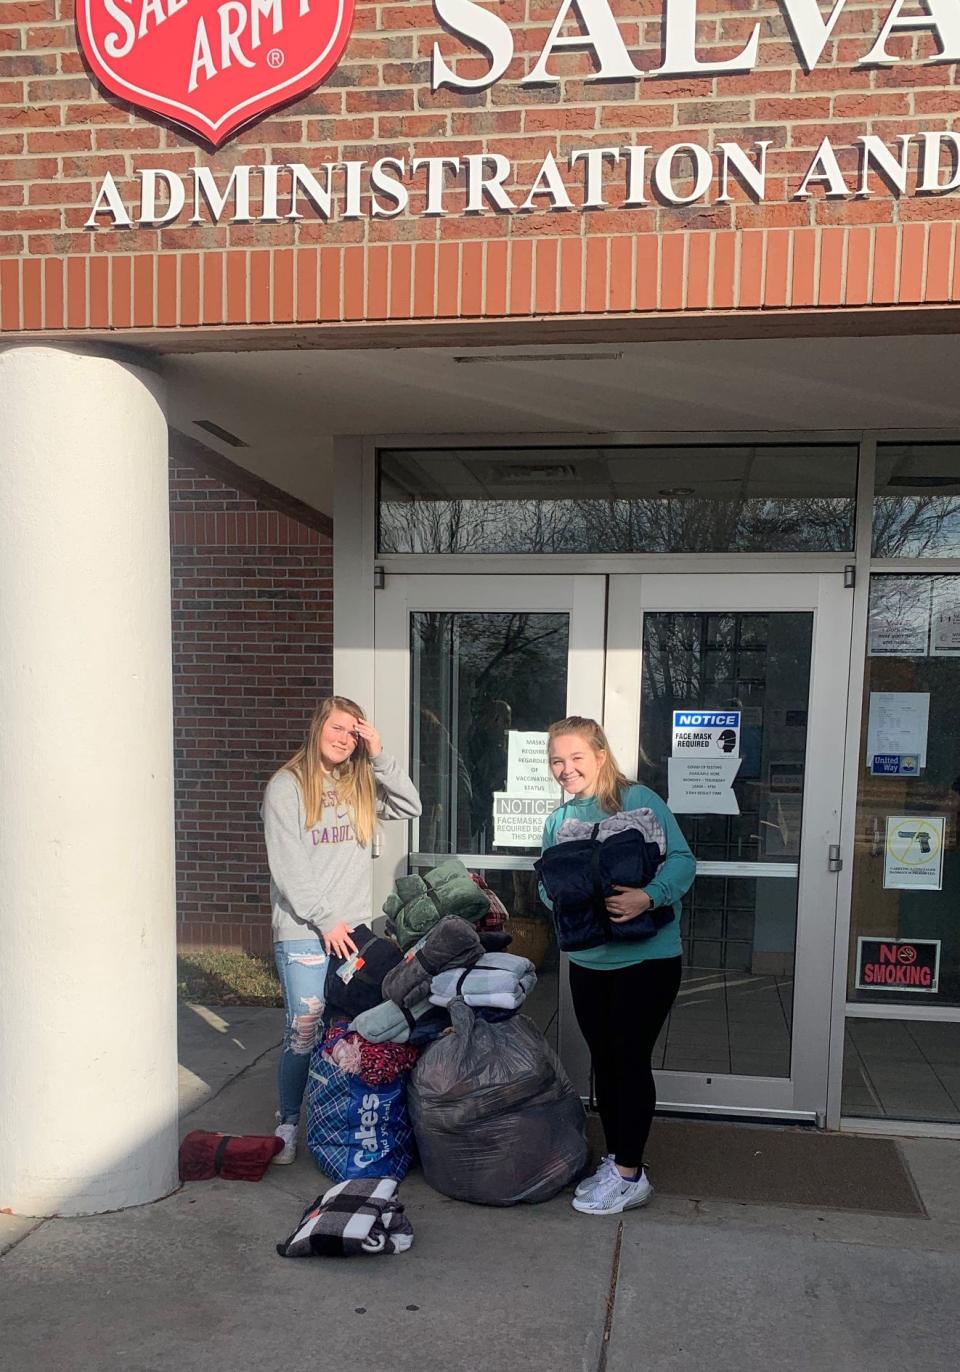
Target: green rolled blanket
419,902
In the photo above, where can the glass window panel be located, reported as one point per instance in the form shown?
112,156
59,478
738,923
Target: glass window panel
476,677
916,507
911,650
730,1017
773,736
731,498
739,932
901,1069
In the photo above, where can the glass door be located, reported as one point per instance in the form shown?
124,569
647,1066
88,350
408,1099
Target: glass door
470,672
727,694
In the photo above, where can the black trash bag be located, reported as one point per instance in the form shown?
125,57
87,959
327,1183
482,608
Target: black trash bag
496,1119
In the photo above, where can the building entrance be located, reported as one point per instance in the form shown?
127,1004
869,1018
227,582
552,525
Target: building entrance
471,669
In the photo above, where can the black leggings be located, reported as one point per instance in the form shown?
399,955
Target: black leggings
621,1013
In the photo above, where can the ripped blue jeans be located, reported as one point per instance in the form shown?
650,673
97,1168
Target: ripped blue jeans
302,967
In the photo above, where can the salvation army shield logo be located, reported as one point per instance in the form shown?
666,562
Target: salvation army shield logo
212,65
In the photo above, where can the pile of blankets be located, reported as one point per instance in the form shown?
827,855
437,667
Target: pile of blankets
362,1216
447,962
385,1005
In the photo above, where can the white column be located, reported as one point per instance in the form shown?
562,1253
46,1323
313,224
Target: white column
88,1063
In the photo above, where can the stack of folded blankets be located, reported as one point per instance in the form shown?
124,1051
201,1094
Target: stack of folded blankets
447,962
499,981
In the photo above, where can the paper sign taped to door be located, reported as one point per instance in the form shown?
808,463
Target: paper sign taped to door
528,771
913,856
899,617
702,785
897,732
518,820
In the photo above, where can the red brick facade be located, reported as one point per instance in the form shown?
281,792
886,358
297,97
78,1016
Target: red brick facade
252,654
59,135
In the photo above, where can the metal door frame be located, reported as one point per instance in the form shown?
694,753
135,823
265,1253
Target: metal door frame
804,1094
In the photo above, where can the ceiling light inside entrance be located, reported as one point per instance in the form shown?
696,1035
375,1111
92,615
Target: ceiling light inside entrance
473,359
223,434
521,473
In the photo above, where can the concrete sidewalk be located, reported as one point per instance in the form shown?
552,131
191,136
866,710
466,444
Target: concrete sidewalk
193,1282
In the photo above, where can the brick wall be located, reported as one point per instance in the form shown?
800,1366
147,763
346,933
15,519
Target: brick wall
59,134
252,655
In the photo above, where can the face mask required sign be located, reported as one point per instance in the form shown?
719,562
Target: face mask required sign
705,762
713,733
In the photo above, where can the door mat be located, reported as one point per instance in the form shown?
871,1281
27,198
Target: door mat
776,1165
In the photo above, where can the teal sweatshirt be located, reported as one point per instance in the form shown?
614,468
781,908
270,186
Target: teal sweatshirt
674,878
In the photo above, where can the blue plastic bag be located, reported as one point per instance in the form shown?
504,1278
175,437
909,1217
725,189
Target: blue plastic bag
356,1130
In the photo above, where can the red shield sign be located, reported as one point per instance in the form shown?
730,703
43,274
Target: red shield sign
212,65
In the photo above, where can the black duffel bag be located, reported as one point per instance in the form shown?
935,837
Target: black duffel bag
355,984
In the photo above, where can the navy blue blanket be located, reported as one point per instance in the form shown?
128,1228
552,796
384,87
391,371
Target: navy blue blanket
578,876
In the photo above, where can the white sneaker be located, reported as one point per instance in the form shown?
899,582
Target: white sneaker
287,1132
589,1183
613,1194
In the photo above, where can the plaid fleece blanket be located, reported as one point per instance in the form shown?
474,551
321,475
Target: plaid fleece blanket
361,1216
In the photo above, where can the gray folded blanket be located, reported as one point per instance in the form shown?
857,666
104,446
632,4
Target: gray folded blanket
642,819
387,1023
499,981
450,943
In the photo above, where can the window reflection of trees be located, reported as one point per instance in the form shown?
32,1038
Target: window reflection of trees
478,676
669,524
916,526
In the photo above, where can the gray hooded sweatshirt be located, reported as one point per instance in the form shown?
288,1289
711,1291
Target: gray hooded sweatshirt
321,875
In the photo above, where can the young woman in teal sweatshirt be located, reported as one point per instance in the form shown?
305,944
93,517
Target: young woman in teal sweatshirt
622,992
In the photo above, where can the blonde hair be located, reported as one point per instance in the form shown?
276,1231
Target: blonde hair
353,780
611,782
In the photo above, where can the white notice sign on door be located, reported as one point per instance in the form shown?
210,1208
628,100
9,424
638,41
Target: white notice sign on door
702,785
708,732
518,820
897,732
528,771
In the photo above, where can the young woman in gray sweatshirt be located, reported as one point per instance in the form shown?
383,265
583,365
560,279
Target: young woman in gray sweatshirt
320,813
